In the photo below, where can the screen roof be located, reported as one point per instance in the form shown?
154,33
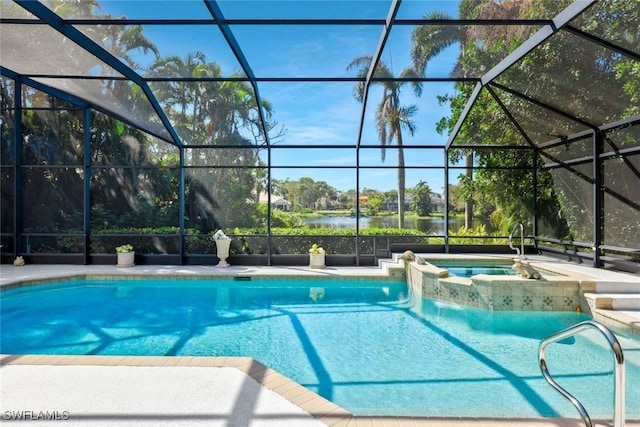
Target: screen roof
552,72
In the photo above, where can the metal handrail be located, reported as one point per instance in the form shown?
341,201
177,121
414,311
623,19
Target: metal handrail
618,386
519,252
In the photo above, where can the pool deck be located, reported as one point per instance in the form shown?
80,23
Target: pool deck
185,391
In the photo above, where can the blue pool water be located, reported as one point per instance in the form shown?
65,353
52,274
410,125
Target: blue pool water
473,269
368,347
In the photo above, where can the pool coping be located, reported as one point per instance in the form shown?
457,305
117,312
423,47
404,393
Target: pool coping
316,405
310,402
12,277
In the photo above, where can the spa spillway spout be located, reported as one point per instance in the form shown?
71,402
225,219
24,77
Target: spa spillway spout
519,251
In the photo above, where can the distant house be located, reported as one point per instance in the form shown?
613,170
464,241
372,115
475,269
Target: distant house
391,203
277,202
438,202
325,203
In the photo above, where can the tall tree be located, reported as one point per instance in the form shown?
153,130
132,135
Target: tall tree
428,42
391,116
182,99
422,204
480,48
216,114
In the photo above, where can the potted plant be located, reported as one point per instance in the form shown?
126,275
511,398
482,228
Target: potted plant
316,256
126,255
223,243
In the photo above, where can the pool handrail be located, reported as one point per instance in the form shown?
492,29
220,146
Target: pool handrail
619,381
520,251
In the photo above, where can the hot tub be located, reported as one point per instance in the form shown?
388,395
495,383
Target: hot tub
491,283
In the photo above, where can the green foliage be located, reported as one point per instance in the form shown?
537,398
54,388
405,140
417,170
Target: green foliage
374,205
503,185
123,249
422,204
278,219
316,249
469,236
629,72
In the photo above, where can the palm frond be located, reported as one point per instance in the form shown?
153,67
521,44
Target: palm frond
429,40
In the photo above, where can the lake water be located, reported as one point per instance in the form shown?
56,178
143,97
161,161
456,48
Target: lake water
434,226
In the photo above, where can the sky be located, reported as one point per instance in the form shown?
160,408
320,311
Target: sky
313,113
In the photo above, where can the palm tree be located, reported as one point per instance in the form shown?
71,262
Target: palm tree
179,97
391,116
220,113
123,41
232,106
428,42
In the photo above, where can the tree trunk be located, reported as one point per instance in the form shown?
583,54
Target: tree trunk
468,204
401,181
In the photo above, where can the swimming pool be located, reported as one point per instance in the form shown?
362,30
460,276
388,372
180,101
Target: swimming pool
367,346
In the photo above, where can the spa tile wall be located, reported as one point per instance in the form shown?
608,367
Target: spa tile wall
498,293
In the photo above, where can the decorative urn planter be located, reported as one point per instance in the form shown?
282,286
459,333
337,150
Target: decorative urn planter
126,256
126,259
223,244
222,252
316,256
316,261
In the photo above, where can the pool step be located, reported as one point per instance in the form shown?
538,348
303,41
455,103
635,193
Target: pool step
623,296
632,313
614,301
618,287
619,309
625,301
